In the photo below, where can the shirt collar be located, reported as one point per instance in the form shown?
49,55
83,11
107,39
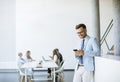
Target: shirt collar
86,38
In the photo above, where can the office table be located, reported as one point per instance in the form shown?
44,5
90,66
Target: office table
44,64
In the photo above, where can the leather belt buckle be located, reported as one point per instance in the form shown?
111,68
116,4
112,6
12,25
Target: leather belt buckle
80,65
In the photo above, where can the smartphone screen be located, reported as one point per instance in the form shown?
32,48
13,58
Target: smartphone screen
74,49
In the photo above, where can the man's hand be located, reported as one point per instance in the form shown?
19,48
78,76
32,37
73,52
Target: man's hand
79,53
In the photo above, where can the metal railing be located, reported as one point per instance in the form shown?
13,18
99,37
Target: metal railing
103,39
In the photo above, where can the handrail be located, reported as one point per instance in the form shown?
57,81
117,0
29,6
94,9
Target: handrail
106,33
107,44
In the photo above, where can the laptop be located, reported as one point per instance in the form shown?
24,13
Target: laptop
45,59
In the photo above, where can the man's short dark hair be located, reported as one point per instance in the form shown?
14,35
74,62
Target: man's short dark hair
28,51
80,25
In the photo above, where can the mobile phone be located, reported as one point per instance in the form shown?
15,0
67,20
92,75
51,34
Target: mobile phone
75,50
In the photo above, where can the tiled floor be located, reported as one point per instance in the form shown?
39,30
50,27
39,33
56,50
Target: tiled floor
13,76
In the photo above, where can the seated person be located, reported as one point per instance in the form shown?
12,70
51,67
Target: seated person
20,62
57,57
28,57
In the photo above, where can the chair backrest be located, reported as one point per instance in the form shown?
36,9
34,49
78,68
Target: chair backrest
61,63
20,71
62,67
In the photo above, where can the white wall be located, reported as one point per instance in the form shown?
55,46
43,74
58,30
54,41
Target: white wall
7,30
42,25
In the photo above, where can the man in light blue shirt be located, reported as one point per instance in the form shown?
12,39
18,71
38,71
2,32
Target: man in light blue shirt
88,48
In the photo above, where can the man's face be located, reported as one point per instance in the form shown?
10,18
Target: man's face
82,33
28,54
20,54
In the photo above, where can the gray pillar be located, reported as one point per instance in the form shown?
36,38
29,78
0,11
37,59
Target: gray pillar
95,19
116,26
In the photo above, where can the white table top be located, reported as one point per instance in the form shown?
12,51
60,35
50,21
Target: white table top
44,64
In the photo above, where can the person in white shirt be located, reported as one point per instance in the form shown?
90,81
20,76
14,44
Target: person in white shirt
20,62
57,57
28,57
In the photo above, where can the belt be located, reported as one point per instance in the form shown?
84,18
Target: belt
80,65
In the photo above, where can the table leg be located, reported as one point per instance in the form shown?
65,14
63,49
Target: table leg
25,74
54,74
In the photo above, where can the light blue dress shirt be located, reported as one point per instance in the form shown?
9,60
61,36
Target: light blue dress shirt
91,49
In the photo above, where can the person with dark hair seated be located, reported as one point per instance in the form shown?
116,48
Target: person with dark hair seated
57,57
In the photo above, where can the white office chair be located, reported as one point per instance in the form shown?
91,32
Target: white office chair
59,72
22,75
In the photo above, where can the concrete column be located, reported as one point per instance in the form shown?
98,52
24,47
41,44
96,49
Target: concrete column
95,19
116,26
